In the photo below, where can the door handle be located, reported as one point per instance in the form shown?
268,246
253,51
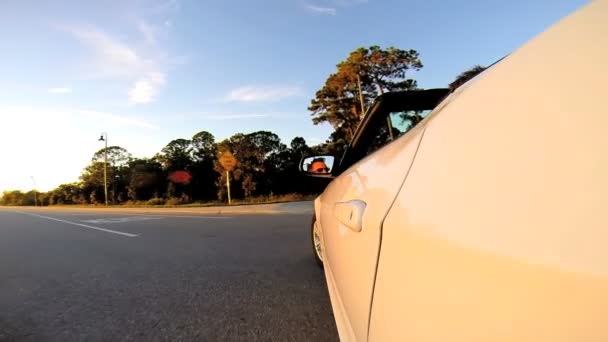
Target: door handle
350,214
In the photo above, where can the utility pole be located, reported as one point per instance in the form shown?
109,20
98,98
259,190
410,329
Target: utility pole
35,196
389,122
104,137
360,94
388,118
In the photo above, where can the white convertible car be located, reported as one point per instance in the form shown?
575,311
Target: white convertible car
488,221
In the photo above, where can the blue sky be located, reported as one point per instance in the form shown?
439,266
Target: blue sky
150,71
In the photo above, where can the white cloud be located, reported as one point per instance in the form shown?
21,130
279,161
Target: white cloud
147,31
147,88
261,93
330,7
60,90
114,59
321,9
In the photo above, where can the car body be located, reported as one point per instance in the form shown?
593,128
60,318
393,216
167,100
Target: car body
487,221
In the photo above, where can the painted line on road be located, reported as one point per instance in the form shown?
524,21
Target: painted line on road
167,216
202,217
80,225
125,219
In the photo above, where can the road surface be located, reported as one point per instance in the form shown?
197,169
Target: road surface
76,275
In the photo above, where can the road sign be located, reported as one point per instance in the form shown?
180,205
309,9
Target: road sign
228,161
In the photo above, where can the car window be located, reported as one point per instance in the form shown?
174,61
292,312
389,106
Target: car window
390,117
395,125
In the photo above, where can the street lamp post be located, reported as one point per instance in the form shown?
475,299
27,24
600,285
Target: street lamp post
104,137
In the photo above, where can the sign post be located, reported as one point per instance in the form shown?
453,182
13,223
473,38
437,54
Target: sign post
228,162
228,186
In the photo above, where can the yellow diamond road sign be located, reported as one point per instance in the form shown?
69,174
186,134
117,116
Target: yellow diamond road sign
228,161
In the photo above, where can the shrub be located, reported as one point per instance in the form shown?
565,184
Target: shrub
173,201
155,201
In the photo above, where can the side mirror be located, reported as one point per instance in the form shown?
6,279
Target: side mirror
318,166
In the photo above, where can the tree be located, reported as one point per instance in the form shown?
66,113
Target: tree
30,198
67,194
91,182
146,179
334,146
117,156
117,177
282,168
377,69
252,152
176,155
466,75
43,198
203,146
298,147
204,152
17,197
14,197
265,142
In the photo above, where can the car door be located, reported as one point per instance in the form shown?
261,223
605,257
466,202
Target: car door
500,230
351,212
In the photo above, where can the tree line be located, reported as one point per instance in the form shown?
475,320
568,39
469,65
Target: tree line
187,170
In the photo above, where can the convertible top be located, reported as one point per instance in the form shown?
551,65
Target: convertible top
412,99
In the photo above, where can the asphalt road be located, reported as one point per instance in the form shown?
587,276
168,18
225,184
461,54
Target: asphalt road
91,276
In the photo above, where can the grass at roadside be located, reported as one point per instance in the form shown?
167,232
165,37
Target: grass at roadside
176,203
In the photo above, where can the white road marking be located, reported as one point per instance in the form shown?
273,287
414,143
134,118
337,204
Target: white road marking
169,216
123,219
197,217
202,217
80,225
